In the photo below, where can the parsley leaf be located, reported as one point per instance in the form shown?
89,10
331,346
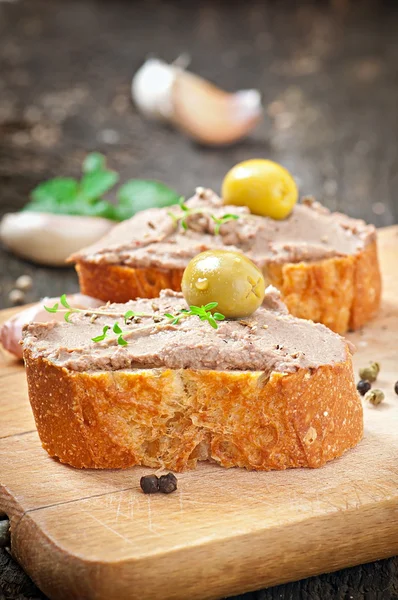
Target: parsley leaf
140,194
67,196
94,162
50,194
95,184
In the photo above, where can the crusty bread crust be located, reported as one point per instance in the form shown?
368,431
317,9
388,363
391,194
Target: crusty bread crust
118,283
342,293
173,418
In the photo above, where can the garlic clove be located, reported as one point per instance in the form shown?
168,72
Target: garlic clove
11,331
151,88
197,107
49,239
210,115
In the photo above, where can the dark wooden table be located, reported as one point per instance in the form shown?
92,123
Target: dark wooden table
328,73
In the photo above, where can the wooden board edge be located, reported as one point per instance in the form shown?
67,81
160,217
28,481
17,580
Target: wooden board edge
10,507
214,568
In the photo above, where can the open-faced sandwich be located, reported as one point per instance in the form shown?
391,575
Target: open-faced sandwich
221,373
324,264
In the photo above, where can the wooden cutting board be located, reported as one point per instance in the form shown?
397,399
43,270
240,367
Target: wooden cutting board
95,535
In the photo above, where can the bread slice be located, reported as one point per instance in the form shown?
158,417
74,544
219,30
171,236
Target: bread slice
342,293
324,264
185,393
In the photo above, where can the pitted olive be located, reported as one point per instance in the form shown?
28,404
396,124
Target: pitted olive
265,187
226,277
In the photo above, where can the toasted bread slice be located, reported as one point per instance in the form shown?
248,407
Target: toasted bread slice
325,264
343,293
187,393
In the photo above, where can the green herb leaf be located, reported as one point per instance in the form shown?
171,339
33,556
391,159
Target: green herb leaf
94,162
64,301
219,316
184,224
213,323
67,316
130,314
169,316
196,310
121,341
96,208
100,338
175,321
66,196
210,305
140,194
116,328
222,220
173,216
229,217
50,195
52,309
95,184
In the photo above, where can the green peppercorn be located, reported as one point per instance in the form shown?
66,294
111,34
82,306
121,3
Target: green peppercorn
375,397
370,373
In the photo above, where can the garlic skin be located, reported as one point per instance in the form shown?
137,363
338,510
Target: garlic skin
49,239
151,89
195,106
11,331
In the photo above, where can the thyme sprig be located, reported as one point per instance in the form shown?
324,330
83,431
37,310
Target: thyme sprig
130,314
181,218
220,221
203,312
100,338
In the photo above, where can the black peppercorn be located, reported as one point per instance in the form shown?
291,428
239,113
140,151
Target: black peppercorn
396,387
167,483
149,484
363,386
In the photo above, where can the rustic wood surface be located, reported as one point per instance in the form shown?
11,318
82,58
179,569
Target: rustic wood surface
223,531
328,75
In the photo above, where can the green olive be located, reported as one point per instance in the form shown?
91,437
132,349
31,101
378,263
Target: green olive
226,277
265,187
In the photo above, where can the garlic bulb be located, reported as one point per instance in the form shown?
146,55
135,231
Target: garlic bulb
11,331
209,115
49,239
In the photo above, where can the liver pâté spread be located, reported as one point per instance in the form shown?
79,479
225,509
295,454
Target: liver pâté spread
153,239
269,340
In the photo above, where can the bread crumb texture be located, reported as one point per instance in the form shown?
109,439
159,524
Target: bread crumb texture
175,418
